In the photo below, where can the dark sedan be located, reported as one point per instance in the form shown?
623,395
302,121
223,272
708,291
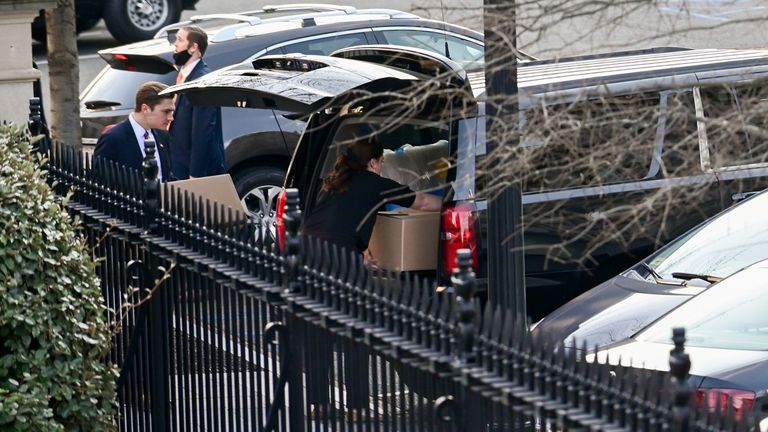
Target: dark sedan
727,340
694,262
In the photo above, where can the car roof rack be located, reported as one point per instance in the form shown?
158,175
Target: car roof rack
319,7
257,17
308,20
251,18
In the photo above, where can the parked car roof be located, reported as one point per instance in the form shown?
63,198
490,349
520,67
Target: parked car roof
631,71
156,55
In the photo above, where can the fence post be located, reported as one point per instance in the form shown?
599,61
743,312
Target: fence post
679,366
449,409
35,123
292,353
464,284
157,330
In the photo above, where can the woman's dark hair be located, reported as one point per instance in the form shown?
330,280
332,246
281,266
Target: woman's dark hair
354,158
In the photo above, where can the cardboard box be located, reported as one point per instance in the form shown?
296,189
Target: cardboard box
218,189
406,240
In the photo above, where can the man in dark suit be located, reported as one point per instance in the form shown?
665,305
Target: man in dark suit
197,147
124,143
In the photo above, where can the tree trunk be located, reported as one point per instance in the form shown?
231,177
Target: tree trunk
64,73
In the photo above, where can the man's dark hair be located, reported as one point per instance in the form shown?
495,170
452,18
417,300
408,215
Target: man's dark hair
148,94
197,35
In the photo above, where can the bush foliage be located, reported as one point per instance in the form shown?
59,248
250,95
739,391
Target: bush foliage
53,329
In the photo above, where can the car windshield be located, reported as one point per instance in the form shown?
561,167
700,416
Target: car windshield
733,240
105,92
730,315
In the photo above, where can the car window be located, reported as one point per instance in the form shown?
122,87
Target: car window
471,145
588,142
104,87
722,246
680,150
730,315
462,51
327,45
735,122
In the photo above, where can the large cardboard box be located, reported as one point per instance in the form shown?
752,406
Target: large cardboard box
406,240
218,189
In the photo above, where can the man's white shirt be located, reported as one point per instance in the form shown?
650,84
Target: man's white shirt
138,130
187,69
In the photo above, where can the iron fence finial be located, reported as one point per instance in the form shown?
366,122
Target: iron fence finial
464,283
679,366
292,220
35,123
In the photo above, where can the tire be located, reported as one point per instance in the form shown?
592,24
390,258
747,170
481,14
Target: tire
258,189
38,29
84,22
135,20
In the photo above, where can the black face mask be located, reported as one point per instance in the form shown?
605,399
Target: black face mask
181,58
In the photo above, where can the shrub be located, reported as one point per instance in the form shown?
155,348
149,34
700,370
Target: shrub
53,329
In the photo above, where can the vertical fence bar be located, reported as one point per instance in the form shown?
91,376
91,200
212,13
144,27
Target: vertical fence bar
157,329
293,285
679,366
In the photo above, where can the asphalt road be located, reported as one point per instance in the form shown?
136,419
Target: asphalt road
545,34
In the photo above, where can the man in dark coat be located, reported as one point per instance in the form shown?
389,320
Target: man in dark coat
124,142
197,148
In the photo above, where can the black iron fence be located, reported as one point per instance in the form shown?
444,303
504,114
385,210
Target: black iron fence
217,330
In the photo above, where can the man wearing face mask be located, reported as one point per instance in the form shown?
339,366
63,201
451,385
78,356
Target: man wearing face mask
197,147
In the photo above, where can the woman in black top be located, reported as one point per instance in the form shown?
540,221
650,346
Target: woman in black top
352,194
345,214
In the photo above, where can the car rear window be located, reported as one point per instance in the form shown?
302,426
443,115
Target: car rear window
468,54
736,124
119,86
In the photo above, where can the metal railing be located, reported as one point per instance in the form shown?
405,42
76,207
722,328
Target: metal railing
216,330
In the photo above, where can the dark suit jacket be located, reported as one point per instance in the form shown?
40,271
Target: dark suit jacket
119,144
197,147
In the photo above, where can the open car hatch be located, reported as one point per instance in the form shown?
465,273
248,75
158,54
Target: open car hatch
294,82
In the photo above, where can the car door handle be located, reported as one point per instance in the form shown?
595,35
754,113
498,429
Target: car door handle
741,196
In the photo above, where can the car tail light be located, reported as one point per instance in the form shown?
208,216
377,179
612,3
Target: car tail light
740,400
457,231
280,218
106,128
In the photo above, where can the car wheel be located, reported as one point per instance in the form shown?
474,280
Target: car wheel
83,23
135,20
258,189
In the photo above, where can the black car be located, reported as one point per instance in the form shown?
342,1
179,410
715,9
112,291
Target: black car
127,20
670,101
259,143
693,263
726,338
